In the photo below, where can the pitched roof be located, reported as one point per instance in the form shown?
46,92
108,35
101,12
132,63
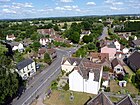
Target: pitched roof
135,59
126,101
100,99
99,55
115,62
24,63
11,36
136,42
46,31
42,51
51,51
71,60
14,44
86,66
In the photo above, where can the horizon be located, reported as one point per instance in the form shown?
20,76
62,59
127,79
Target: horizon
24,9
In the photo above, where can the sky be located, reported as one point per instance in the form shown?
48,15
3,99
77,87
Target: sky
19,9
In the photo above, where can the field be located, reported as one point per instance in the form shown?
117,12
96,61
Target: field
63,98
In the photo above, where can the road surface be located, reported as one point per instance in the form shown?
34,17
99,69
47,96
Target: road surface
43,80
104,33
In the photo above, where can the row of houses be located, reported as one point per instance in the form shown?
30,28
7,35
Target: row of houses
85,74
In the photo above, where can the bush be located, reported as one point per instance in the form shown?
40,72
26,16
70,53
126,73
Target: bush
54,85
107,89
66,87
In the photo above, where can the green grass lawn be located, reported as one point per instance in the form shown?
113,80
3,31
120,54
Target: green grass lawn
114,87
63,98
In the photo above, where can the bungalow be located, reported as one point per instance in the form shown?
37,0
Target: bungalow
117,66
133,61
86,77
10,37
26,68
52,53
103,99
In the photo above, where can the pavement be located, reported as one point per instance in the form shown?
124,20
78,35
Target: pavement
42,81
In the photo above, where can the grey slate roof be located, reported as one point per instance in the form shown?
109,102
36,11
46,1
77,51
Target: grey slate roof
136,42
86,67
24,63
115,62
100,99
126,101
135,59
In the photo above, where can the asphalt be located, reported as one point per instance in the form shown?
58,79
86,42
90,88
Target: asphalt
104,33
42,82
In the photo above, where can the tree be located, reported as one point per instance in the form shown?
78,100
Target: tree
87,39
56,28
36,46
8,79
75,37
137,79
47,58
65,25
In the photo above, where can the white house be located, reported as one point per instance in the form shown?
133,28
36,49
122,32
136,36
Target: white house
117,66
44,41
84,32
118,45
69,64
10,37
26,68
17,46
86,77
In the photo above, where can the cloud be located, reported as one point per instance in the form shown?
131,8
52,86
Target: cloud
91,3
66,1
8,11
113,2
115,8
4,1
67,8
22,5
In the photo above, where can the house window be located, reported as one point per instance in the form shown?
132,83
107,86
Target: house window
118,69
31,65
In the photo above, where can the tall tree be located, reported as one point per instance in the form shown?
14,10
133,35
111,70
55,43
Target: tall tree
8,79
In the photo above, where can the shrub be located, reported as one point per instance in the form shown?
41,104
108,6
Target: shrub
66,87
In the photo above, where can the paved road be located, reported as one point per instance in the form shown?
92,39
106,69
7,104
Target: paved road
104,33
42,82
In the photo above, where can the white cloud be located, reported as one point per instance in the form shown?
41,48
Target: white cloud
114,2
8,11
115,8
66,1
91,3
4,1
22,5
67,8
